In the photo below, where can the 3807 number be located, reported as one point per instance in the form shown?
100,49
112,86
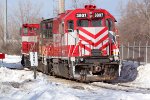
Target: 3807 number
99,15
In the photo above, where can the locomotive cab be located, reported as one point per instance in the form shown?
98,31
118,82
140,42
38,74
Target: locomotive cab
29,34
29,29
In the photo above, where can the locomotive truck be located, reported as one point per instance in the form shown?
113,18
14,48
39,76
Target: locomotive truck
79,44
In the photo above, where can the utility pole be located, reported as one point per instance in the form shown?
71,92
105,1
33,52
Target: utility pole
61,6
5,23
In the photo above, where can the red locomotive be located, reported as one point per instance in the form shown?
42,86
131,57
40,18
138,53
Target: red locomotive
78,44
29,38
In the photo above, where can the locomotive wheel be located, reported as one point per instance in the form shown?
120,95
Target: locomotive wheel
45,69
40,67
52,73
50,69
83,75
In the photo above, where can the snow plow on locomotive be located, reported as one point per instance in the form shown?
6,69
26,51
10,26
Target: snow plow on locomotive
79,44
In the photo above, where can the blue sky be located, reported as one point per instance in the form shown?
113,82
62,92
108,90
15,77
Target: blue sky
111,5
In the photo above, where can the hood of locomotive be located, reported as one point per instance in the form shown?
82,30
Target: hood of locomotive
93,38
98,41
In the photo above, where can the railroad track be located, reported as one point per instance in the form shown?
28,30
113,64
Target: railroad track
95,85
112,86
121,87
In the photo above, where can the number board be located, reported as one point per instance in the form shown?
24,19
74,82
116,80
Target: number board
81,15
98,15
33,58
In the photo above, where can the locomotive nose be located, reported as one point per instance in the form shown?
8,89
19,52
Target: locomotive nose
96,37
94,34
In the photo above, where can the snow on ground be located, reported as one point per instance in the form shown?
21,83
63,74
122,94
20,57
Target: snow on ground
19,84
143,77
11,61
143,74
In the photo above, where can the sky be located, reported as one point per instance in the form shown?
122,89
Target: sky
113,6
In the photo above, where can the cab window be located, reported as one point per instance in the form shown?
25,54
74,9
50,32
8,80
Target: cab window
71,25
46,29
25,31
109,24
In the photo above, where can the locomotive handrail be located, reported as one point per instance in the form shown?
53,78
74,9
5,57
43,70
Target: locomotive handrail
70,30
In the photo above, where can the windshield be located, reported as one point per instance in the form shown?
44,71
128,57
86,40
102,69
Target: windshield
96,23
89,23
83,23
25,30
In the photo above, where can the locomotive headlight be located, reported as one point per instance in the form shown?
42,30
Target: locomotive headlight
116,52
81,59
91,14
116,58
111,58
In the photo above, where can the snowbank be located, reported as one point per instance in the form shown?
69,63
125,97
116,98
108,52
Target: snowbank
143,74
19,84
136,76
143,77
11,61
9,75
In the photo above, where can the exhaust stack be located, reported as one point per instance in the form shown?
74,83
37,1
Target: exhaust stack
61,6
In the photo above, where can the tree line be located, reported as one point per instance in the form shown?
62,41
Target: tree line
134,24
23,12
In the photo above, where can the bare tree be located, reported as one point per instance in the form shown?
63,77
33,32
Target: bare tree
91,1
1,24
74,3
25,12
134,24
